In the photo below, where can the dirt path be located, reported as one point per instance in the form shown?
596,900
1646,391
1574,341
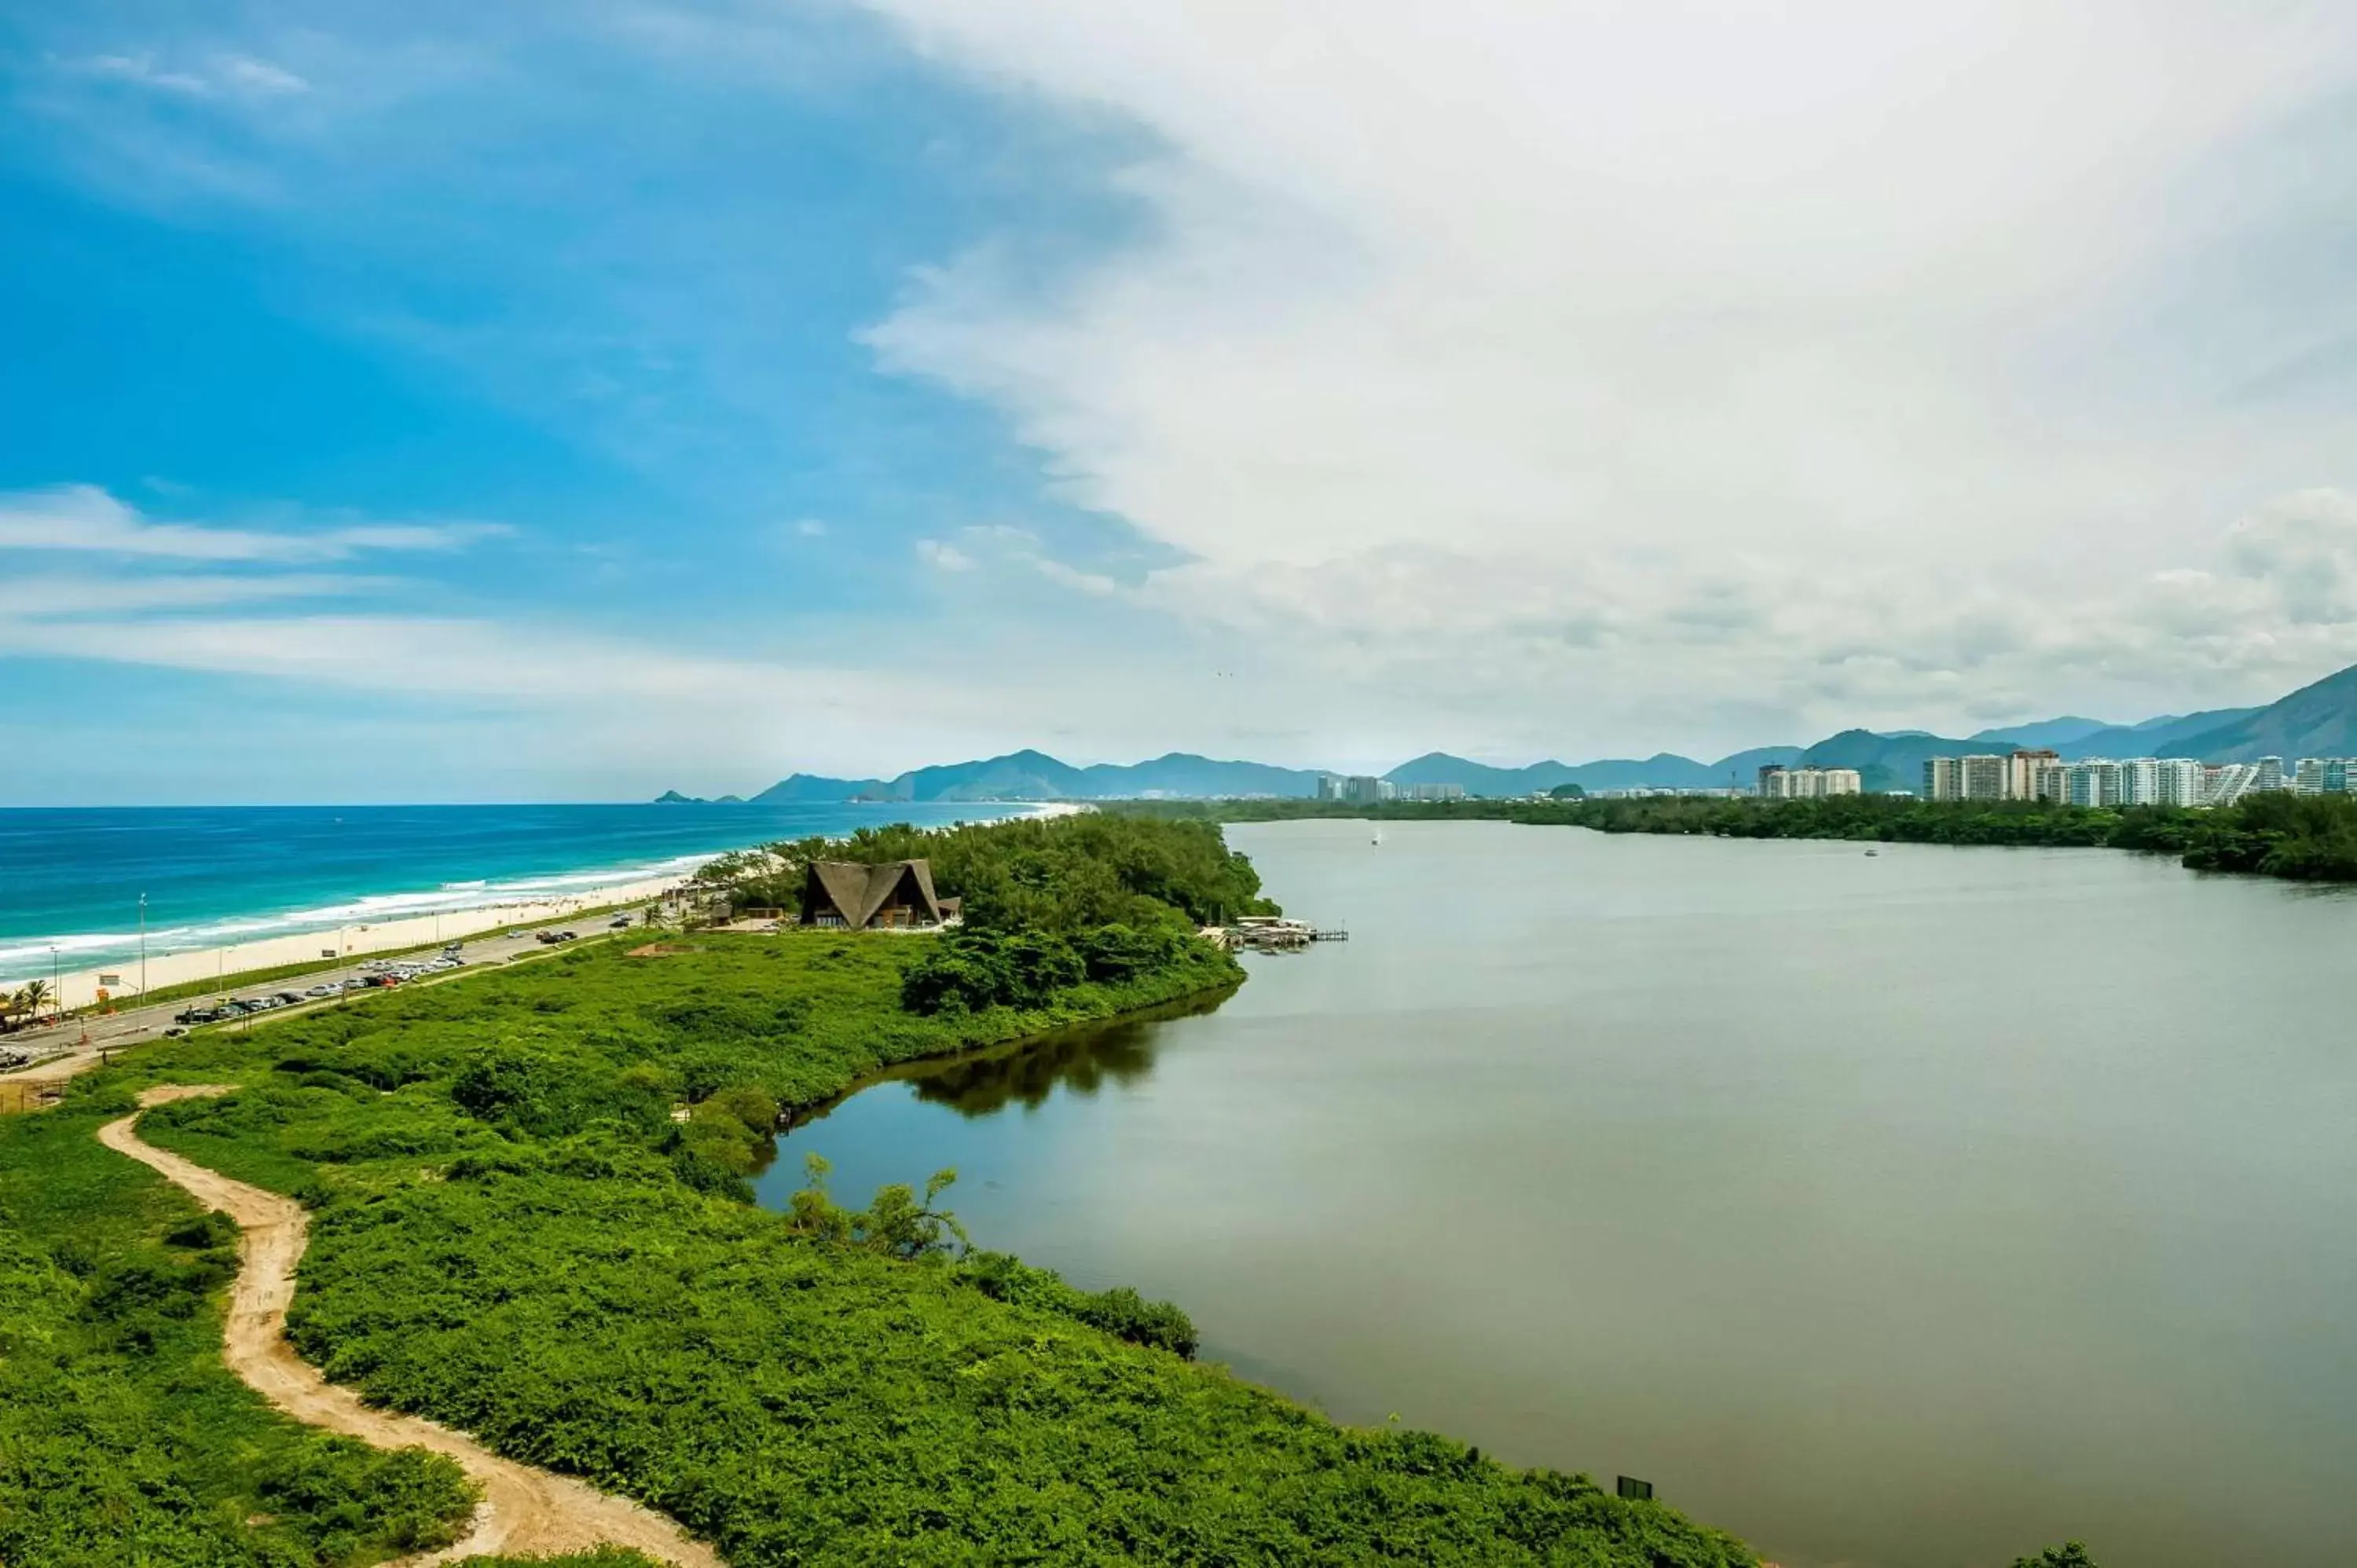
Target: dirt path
523,1510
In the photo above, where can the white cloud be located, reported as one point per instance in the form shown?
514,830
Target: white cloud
260,76
219,75
944,557
83,518
811,528
30,597
1623,359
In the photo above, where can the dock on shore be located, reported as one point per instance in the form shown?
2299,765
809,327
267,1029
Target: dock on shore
1272,933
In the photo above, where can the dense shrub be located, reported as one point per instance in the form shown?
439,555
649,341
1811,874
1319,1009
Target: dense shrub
1120,1311
1065,874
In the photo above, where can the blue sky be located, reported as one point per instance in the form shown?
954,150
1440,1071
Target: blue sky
569,401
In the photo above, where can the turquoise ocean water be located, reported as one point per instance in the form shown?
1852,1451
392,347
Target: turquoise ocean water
71,879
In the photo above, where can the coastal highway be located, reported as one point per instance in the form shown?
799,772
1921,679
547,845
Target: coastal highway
78,1045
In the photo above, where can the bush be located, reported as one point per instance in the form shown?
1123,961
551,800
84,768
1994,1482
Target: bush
1120,1310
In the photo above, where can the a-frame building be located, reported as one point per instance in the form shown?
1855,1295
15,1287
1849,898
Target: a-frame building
851,896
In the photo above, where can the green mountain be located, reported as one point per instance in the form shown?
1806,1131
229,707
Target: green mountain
1035,776
2040,733
2318,720
2174,734
1884,761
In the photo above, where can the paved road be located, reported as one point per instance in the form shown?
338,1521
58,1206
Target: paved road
78,1045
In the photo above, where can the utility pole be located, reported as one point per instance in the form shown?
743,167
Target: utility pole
143,947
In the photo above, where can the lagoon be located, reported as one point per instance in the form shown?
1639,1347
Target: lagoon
1916,1208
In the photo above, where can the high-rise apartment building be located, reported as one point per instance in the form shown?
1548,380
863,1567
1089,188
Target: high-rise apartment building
2308,776
1943,779
2270,775
2181,781
2228,782
2023,771
2093,781
2140,782
1983,777
1779,783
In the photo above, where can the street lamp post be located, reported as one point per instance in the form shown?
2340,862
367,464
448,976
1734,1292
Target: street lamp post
143,947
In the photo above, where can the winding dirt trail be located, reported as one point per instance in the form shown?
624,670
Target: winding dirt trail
523,1510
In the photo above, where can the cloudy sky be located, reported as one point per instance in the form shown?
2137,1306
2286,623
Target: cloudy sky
568,400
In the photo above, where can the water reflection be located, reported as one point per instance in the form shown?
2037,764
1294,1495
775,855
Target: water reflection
1082,1060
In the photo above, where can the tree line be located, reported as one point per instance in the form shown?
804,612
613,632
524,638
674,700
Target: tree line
2311,838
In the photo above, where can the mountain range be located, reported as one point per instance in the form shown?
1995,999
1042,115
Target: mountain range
2318,720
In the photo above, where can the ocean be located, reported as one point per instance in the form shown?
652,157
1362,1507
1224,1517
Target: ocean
71,879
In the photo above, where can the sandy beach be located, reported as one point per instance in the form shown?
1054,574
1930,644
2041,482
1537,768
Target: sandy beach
120,980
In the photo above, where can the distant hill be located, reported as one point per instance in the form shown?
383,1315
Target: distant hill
2044,733
2171,735
1035,776
1884,761
1184,774
2318,720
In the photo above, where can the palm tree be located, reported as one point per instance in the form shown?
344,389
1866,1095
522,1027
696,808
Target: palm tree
32,998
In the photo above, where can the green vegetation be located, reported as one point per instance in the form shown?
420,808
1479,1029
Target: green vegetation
2303,837
528,1190
2069,1554
1062,875
119,1426
30,1000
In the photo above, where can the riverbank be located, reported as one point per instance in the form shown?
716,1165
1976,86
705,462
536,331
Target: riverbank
2303,838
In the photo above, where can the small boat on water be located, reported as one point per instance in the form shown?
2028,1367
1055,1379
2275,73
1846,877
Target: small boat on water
1874,852
1379,838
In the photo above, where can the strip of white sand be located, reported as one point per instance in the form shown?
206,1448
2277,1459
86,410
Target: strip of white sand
83,988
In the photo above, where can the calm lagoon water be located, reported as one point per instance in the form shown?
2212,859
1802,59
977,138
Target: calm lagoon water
1918,1209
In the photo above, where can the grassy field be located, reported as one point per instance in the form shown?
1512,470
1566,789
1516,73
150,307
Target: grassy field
515,1234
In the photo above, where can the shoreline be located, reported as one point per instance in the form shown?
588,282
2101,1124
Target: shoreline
334,944
397,922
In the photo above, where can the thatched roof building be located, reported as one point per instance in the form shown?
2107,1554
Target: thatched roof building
850,895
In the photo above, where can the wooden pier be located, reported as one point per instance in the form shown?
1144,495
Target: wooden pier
1272,933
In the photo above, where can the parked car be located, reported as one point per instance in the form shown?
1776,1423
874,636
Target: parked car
329,990
292,998
174,1032
618,922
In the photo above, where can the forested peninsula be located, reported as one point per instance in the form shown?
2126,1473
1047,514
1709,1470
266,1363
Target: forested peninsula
2308,838
530,1220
